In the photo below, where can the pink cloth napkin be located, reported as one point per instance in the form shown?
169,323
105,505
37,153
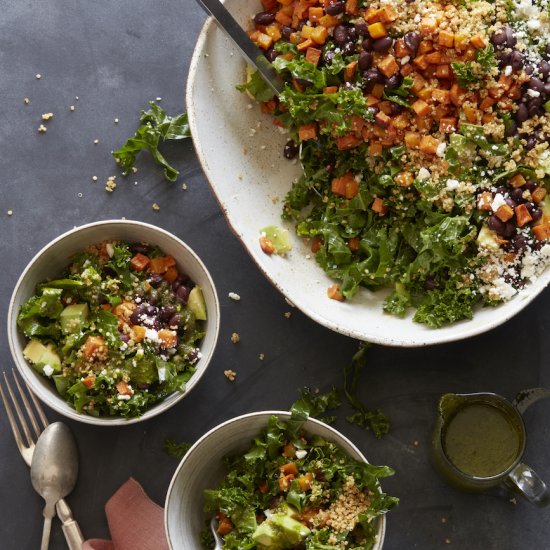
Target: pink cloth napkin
135,522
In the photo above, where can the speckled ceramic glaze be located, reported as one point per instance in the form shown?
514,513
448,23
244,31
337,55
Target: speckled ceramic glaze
241,153
202,468
54,257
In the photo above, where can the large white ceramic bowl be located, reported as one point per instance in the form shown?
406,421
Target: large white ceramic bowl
202,468
241,154
55,256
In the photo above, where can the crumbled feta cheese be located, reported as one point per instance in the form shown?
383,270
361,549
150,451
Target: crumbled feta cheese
498,201
47,370
234,296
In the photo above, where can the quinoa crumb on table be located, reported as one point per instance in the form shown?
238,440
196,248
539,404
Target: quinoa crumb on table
423,129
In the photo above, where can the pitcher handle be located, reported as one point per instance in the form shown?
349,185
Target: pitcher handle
525,482
525,398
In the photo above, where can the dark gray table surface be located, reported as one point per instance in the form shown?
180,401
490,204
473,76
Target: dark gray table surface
115,56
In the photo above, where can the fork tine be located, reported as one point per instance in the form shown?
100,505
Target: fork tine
11,418
20,415
39,409
28,408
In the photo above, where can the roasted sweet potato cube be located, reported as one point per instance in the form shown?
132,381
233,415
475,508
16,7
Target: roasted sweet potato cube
446,39
485,201
538,194
349,141
412,139
517,181
542,231
441,96
379,207
504,213
139,262
315,13
477,41
523,215
404,179
388,66
420,107
333,292
319,35
313,55
428,145
307,131
428,25
377,30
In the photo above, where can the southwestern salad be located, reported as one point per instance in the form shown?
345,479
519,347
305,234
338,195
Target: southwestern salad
118,332
423,130
294,490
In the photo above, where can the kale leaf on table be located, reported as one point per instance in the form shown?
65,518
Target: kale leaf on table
156,127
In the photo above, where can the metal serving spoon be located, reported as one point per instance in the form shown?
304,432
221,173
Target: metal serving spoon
217,537
54,469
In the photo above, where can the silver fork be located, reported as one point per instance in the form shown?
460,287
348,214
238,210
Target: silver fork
26,445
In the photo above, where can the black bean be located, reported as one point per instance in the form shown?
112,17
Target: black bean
155,280
511,39
519,241
348,48
531,142
291,150
412,40
530,185
124,337
511,202
504,59
509,229
194,355
546,89
496,224
529,69
512,129
140,248
393,82
362,28
175,321
498,38
286,32
349,86
183,294
410,1
548,49
153,297
175,285
544,69
264,18
516,60
151,310
502,190
303,82
374,76
535,84
429,284
536,214
352,32
335,7
367,44
102,299
166,312
382,44
395,108
272,54
522,114
517,195
340,35
365,61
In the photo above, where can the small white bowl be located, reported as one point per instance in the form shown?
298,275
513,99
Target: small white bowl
55,256
240,151
202,468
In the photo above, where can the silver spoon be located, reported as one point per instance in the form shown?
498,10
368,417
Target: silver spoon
54,469
217,537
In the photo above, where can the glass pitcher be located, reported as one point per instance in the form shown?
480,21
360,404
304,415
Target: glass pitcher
479,440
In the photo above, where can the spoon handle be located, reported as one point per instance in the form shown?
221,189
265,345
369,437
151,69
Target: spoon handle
46,533
71,529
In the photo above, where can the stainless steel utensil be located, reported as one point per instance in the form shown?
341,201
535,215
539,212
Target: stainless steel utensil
54,470
26,447
251,52
217,537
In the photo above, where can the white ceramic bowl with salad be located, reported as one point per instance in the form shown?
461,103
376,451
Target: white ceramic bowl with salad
241,151
202,469
113,322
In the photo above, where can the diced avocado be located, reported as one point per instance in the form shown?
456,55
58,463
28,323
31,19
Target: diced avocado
279,237
73,317
291,530
546,106
42,356
267,536
545,206
196,303
280,531
61,383
487,239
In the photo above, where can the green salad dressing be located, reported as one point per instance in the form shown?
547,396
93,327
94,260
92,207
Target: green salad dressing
481,440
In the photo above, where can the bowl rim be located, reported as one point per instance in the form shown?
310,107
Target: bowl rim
54,400
468,329
382,520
